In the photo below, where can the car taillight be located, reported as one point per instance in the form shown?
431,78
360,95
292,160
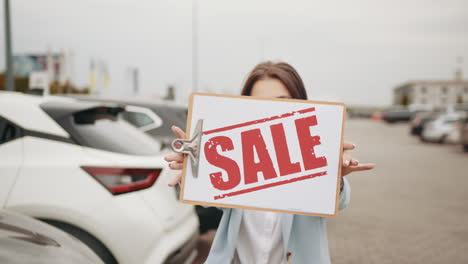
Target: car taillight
123,180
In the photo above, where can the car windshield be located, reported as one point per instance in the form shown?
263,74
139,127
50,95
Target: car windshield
137,119
99,129
97,126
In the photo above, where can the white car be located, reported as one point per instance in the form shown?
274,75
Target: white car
76,166
442,129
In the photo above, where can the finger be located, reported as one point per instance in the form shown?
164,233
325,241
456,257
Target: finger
362,167
354,162
175,180
178,132
348,146
346,163
346,159
176,165
178,157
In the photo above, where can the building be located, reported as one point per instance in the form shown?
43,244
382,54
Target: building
433,93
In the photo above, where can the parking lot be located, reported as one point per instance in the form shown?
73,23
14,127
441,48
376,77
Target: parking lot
412,208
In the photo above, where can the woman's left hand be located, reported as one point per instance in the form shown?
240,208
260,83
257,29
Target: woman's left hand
351,165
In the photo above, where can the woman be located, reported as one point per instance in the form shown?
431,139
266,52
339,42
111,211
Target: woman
249,236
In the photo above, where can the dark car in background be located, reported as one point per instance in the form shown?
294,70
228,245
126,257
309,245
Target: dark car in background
27,240
170,114
397,115
464,134
360,113
461,107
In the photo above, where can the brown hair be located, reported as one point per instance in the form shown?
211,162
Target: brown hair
281,71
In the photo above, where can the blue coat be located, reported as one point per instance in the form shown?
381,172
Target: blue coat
304,237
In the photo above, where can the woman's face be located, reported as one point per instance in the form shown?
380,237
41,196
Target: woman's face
270,88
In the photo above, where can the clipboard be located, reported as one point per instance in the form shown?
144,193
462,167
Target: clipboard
270,154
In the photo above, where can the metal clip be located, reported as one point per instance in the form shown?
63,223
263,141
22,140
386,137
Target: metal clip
191,147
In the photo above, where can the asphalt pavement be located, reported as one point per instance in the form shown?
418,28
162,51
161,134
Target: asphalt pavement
412,208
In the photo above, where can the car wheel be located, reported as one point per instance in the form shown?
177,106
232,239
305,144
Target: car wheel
465,148
88,239
442,139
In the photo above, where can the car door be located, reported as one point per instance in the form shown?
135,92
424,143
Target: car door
11,156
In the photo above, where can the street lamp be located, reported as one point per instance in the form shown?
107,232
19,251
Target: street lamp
194,46
10,85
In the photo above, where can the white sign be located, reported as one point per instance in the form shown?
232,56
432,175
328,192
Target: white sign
39,80
273,154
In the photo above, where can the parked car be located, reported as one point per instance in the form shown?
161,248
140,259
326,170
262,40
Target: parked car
170,114
397,115
464,133
360,113
454,135
438,129
461,107
76,166
27,240
420,120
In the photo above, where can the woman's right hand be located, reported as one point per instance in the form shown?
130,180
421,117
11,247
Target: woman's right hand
176,160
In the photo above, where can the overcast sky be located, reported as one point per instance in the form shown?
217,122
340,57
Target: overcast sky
351,51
